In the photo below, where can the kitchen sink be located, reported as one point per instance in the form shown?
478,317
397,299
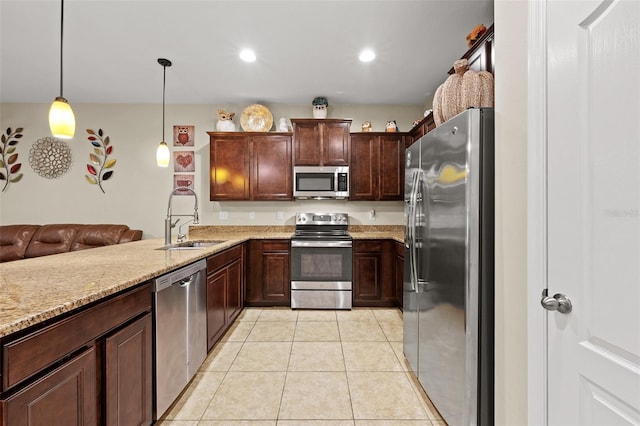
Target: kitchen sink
191,245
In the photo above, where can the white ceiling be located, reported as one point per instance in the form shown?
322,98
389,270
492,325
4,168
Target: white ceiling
305,48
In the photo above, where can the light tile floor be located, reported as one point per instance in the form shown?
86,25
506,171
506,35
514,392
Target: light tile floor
277,366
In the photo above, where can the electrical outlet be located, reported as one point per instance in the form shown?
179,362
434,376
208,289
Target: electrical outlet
224,216
279,215
372,215
252,215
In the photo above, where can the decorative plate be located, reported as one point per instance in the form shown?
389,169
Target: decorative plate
256,118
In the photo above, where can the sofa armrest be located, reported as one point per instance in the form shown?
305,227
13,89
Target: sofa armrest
130,235
14,240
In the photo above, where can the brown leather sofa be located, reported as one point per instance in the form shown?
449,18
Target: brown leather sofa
25,241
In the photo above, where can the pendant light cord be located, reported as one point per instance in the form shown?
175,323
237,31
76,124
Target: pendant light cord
164,85
61,44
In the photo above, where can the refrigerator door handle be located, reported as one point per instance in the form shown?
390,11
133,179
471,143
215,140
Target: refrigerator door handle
410,231
414,249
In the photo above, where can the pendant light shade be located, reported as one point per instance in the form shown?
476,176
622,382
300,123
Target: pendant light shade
163,155
62,121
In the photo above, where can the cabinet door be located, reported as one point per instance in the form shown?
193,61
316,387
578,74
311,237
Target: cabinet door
216,300
66,396
307,143
234,290
367,278
229,167
276,271
335,143
128,375
391,167
268,281
398,272
271,168
364,167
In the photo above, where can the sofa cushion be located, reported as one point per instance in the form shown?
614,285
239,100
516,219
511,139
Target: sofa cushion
14,240
90,236
52,239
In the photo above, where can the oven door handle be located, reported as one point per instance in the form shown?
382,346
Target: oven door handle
330,244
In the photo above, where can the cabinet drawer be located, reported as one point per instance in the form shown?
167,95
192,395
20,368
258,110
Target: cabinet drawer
32,353
218,260
367,246
271,245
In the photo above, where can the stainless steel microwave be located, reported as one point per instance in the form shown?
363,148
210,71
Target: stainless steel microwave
321,182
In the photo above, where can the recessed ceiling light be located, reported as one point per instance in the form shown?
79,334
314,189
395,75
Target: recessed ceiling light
367,55
247,55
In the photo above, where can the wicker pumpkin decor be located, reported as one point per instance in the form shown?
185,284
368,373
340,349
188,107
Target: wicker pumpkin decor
461,90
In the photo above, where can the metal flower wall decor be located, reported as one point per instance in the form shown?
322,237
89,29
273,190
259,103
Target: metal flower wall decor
9,158
99,169
50,157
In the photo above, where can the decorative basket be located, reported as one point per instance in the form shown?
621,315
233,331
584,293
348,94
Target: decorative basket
462,90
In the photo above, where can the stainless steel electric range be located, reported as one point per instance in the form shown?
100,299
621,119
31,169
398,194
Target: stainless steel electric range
321,262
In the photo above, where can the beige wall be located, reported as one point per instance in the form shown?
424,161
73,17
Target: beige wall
511,203
137,193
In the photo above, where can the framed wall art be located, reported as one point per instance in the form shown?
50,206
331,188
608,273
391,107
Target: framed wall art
183,135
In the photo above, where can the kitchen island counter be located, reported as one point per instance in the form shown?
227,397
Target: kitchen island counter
35,290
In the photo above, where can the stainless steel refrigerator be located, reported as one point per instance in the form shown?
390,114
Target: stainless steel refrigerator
448,268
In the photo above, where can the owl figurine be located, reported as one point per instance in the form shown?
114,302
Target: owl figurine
225,121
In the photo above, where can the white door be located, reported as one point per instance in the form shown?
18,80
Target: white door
593,117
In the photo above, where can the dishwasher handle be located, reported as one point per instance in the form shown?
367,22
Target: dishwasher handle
185,282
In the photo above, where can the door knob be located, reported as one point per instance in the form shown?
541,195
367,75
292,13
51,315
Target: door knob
559,302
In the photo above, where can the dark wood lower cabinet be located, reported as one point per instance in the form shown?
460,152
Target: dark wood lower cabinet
128,375
377,274
90,367
374,280
216,317
66,396
225,279
268,281
398,271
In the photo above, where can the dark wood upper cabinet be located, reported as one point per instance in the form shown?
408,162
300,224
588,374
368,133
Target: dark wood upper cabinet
321,142
481,54
425,125
229,167
250,166
377,166
271,167
481,58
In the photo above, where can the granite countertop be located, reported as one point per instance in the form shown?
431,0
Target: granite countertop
35,290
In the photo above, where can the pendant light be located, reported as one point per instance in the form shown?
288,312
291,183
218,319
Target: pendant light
163,156
61,118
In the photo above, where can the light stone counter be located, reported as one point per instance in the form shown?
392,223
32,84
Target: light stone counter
35,290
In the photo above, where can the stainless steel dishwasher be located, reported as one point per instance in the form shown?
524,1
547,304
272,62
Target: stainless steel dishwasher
180,323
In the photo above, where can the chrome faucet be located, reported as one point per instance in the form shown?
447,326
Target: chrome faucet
168,222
